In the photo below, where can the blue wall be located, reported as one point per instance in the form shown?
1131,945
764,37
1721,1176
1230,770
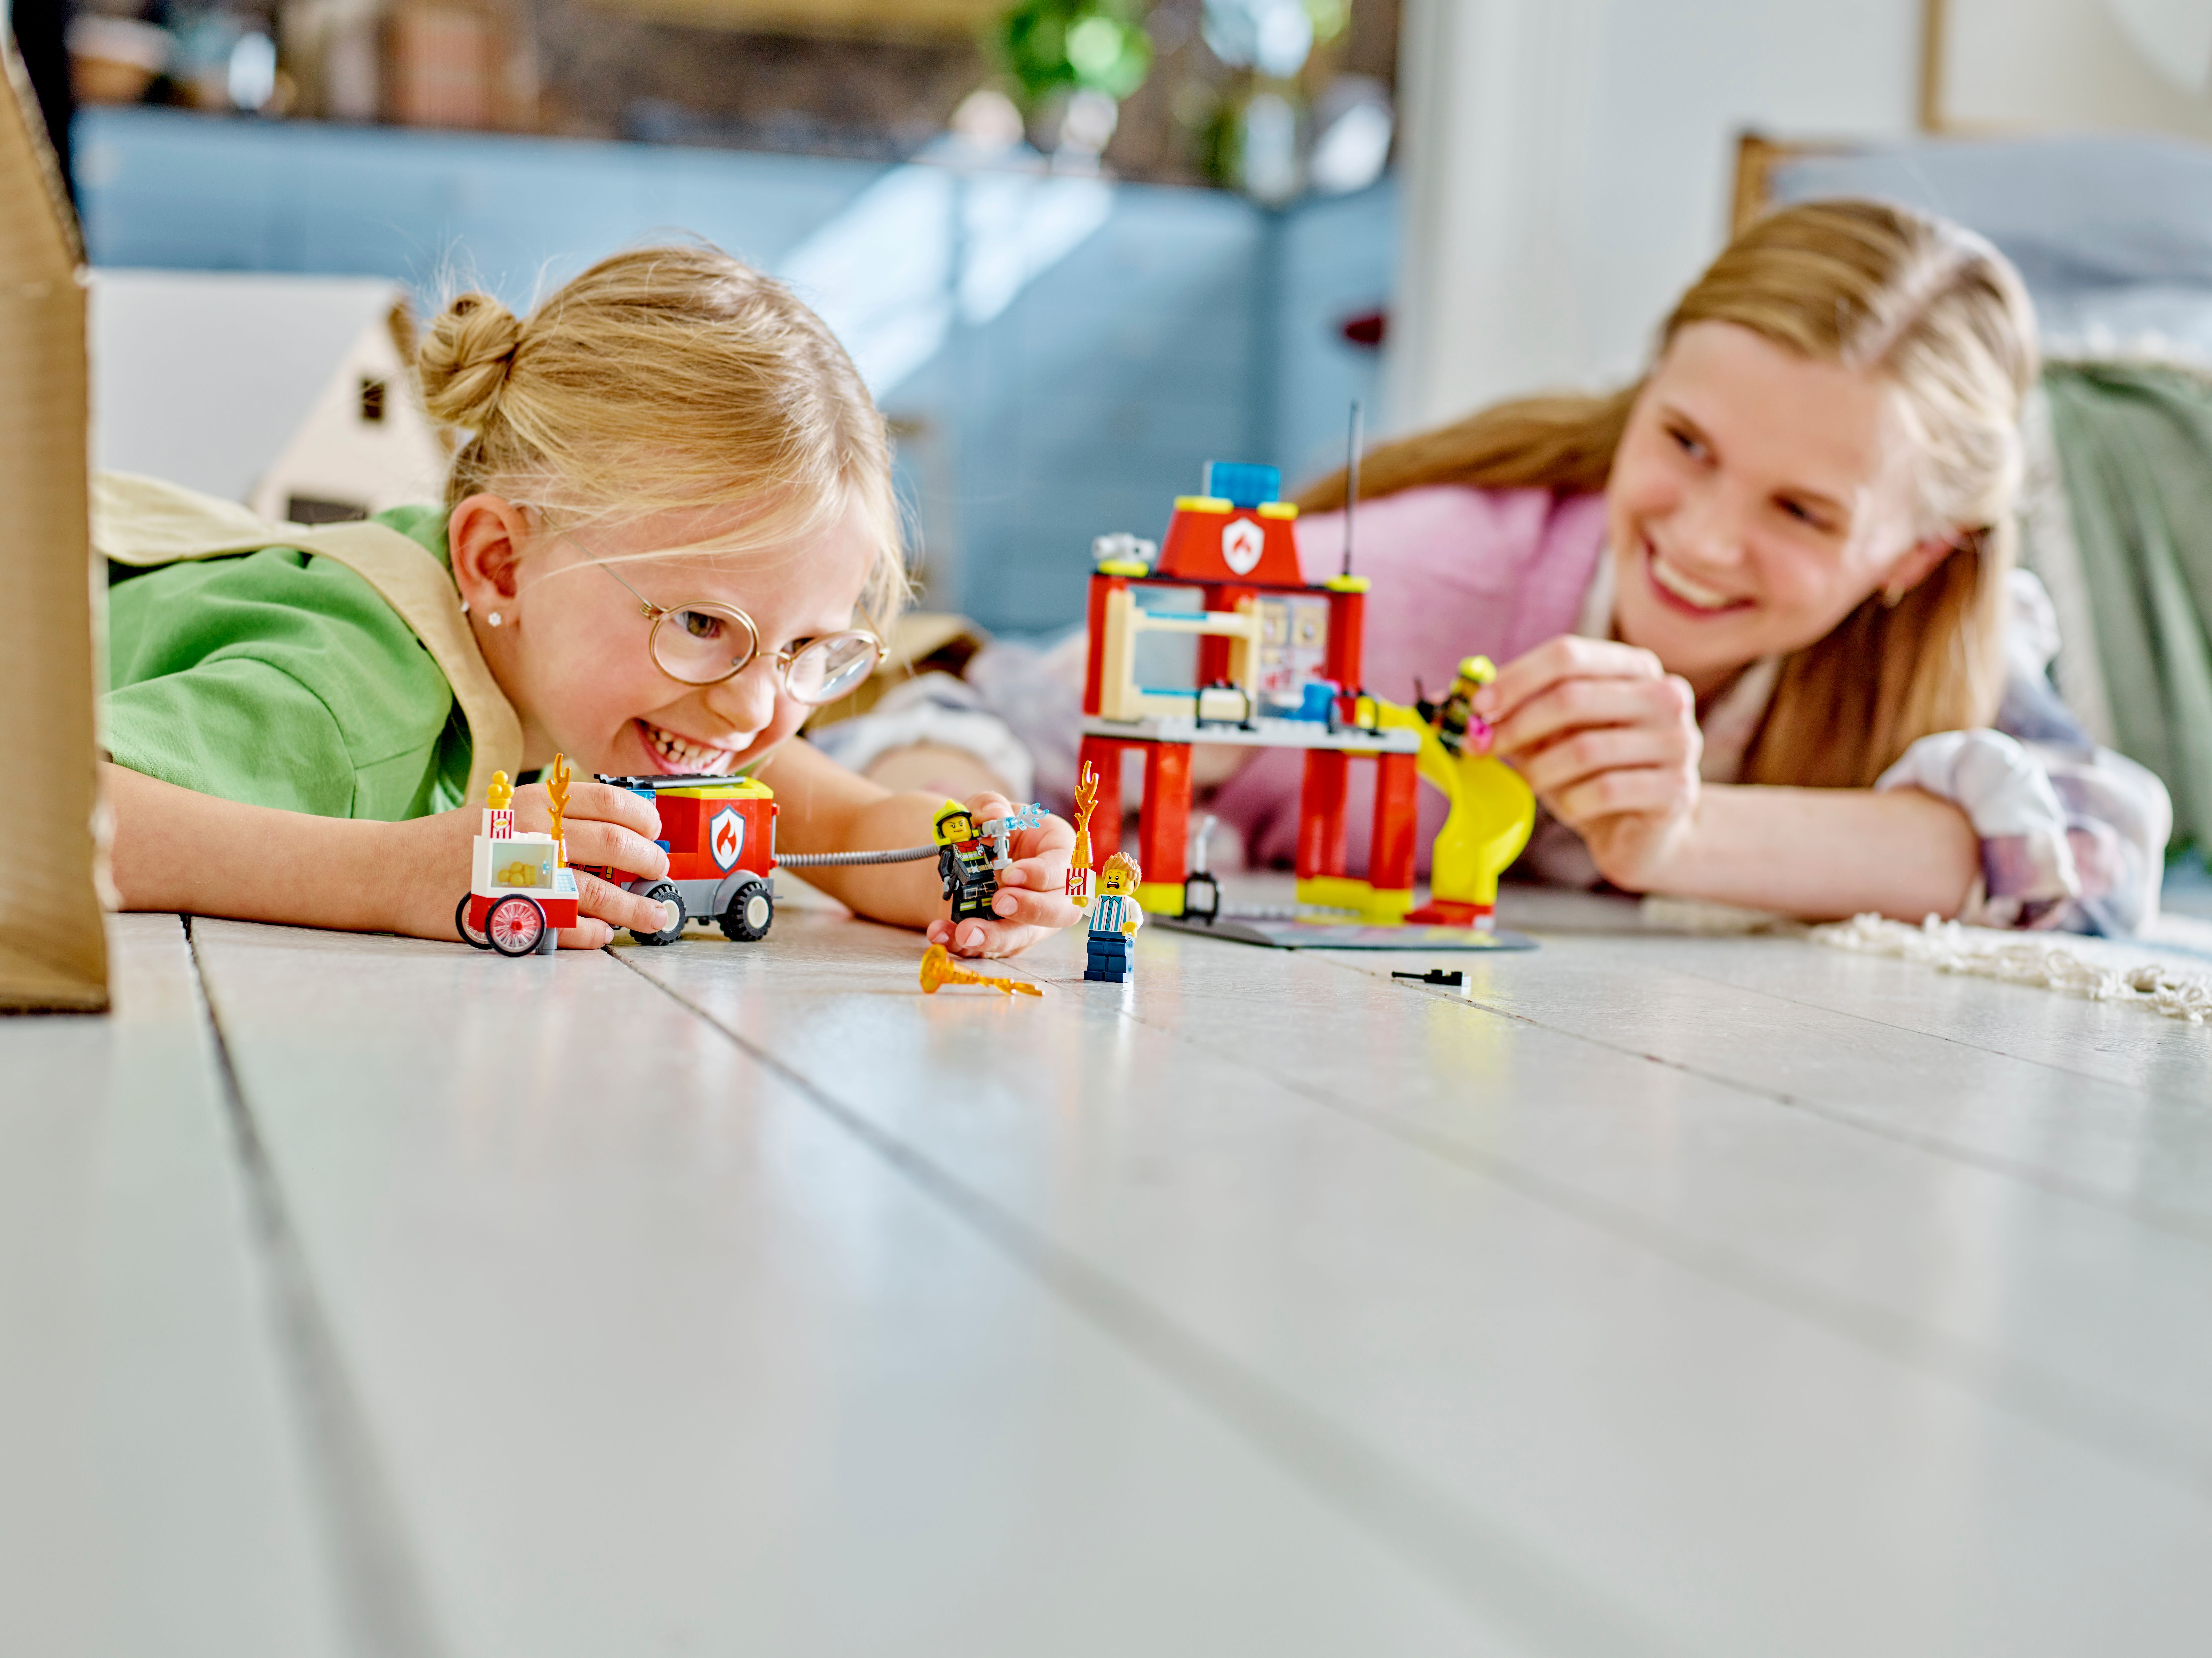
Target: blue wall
1062,356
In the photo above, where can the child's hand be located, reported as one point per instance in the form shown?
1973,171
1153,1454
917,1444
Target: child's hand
1608,740
1031,902
605,826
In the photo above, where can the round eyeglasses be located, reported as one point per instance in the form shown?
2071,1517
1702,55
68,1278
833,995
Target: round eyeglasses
706,643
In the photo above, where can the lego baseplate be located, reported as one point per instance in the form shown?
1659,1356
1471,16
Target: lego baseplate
1271,934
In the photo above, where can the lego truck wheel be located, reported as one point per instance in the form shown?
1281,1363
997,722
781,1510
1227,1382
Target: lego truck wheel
515,925
751,912
469,934
665,894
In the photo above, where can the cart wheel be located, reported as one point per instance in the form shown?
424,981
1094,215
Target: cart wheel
750,914
672,905
469,934
514,925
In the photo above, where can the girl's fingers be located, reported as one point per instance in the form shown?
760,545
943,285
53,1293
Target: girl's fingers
586,934
996,938
611,904
1575,703
1568,657
607,803
1652,790
614,846
1044,909
1601,749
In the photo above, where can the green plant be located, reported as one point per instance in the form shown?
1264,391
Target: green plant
1075,45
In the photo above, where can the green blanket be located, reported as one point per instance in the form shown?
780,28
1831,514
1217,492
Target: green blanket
2135,444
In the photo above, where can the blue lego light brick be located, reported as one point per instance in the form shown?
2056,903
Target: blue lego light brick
1241,483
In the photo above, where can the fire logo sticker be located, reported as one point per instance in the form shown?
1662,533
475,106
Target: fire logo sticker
726,837
1241,542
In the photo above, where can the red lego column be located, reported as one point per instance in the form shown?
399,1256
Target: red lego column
1105,754
1397,782
1320,814
1347,636
1164,831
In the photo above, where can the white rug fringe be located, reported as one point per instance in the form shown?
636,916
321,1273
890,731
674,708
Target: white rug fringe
2025,959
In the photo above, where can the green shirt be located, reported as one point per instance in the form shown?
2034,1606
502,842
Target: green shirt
277,678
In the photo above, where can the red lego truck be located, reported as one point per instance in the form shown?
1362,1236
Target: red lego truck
719,835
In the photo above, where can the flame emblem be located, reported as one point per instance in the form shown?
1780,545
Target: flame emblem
726,837
1241,542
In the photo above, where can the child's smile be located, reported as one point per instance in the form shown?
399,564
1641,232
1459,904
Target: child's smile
576,656
681,754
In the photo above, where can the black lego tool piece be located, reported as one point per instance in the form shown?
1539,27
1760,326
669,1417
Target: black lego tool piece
1436,975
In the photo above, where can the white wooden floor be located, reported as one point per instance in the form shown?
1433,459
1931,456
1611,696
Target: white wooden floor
371,1297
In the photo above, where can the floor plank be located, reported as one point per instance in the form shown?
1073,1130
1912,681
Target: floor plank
153,1497
2120,1042
2112,1142
657,1354
1727,1465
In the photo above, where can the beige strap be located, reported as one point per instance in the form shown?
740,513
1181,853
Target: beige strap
144,522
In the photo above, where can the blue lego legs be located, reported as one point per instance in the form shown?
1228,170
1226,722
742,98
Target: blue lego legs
1109,961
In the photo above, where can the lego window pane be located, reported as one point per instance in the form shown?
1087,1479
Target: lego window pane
1168,662
1293,650
534,870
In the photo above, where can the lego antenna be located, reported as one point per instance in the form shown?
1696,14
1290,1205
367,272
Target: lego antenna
1351,482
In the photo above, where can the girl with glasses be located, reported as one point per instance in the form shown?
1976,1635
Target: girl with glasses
668,536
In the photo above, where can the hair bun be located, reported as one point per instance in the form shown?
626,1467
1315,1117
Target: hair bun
463,364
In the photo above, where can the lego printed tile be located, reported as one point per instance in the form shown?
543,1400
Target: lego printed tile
1753,1371
659,1355
153,1497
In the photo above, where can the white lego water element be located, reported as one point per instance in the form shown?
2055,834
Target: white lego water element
1241,542
726,837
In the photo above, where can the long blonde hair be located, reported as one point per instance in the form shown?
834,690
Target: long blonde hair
666,379
1934,312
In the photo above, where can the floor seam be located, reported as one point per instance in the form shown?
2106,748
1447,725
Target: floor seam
373,1568
2025,1390
1451,1546
2173,1222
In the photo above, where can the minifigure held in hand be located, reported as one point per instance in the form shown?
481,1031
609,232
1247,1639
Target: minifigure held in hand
964,863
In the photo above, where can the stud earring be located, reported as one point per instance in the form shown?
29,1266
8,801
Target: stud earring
492,618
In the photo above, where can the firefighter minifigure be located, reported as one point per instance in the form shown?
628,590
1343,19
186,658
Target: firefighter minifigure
1458,727
1115,919
964,863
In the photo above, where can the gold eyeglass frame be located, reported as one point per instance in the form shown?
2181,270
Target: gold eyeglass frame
780,660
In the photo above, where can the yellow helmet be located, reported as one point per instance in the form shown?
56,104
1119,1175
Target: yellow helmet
941,825
1477,669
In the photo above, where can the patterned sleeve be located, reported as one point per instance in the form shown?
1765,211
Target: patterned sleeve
2073,834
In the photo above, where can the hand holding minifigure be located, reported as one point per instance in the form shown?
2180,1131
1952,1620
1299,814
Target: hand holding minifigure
1031,901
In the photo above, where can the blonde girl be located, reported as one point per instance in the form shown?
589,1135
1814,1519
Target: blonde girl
1763,638
669,531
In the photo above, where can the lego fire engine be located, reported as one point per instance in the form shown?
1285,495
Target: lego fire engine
719,836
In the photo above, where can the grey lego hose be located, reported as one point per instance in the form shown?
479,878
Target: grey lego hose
844,860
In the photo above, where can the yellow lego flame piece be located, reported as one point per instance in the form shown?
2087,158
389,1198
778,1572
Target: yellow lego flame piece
938,970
